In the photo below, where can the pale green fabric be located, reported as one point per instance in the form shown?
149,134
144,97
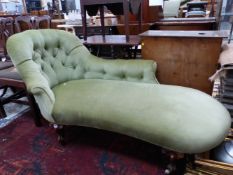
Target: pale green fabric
73,87
45,58
177,118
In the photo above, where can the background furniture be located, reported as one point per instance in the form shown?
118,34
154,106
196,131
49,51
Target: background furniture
185,58
208,23
6,30
33,5
125,3
23,23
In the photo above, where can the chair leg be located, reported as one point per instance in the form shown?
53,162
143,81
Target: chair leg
190,159
229,38
60,130
4,90
35,110
2,111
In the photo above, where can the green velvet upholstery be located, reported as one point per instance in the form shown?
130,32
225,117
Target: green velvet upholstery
73,87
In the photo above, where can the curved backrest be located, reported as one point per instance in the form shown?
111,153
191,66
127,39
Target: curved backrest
59,56
42,22
23,23
52,52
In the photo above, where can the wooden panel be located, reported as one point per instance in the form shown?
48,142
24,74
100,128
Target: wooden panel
133,29
185,24
149,14
183,61
185,27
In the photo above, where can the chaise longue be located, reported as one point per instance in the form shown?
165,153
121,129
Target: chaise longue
73,87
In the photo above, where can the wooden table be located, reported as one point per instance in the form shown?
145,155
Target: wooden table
208,23
185,58
101,3
114,40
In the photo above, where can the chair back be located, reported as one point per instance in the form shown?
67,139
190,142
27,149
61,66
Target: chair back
56,54
6,30
42,22
23,23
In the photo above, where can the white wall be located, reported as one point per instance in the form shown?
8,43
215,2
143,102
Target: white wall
11,7
77,2
155,2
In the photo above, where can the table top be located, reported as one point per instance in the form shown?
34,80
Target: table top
186,34
112,40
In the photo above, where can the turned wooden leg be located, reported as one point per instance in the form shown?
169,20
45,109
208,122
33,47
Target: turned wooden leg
60,130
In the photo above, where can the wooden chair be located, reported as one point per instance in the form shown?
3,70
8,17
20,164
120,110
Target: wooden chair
42,22
23,23
6,30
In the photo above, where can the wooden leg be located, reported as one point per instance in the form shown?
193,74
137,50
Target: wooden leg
60,130
190,159
135,51
229,38
4,90
35,110
2,111
173,163
171,166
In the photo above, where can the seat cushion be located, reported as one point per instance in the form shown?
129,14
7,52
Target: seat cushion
177,118
10,73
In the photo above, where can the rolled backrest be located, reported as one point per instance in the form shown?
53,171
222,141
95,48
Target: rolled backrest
49,51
